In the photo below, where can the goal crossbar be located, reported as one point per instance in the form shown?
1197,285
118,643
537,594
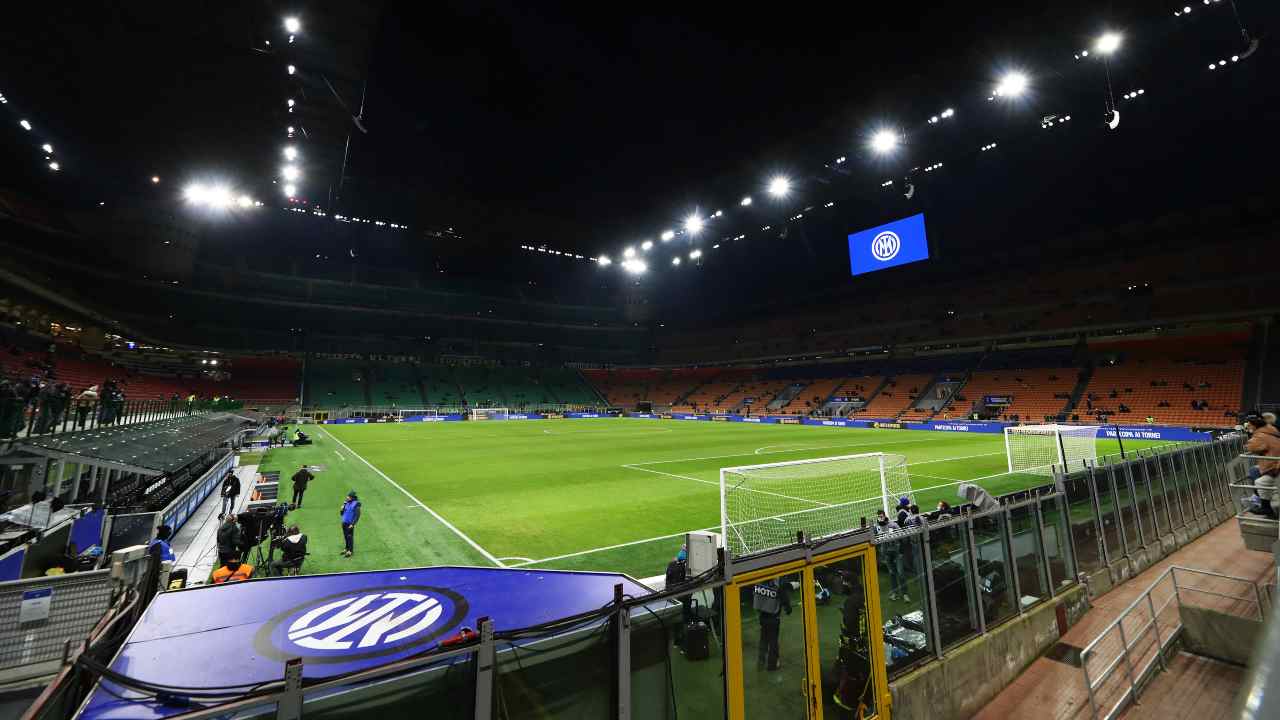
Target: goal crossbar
1039,448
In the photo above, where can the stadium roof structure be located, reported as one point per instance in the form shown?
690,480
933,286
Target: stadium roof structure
152,448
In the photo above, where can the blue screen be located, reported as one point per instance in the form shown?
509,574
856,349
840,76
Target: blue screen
889,245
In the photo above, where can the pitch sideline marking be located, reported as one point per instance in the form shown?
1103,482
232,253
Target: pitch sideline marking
335,452
774,452
524,560
487,555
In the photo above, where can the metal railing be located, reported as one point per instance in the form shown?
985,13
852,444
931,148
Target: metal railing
63,414
1117,663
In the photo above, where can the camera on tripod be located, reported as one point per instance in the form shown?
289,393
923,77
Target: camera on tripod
262,519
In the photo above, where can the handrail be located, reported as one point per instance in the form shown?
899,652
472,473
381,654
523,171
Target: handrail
1135,674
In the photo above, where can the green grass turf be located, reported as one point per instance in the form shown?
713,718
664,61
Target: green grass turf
556,494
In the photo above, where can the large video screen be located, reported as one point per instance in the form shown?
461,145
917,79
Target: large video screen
889,245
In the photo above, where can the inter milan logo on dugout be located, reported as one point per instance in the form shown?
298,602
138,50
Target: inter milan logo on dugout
362,624
885,246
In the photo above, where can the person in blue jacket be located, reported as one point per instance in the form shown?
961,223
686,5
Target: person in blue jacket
350,516
162,539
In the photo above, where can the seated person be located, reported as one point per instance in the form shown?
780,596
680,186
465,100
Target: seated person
301,438
233,571
293,548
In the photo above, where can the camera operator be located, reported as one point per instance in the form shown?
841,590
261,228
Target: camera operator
293,549
228,539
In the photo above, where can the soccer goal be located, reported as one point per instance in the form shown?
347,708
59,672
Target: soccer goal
763,506
488,413
1037,449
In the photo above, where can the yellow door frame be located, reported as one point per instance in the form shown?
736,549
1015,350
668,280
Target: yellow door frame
875,643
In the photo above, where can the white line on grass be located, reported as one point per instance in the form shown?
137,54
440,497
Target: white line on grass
335,452
774,452
522,560
487,555
717,484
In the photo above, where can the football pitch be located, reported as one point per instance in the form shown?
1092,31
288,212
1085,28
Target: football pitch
608,494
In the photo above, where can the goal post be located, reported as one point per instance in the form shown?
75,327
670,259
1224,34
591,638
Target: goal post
1037,449
762,507
489,413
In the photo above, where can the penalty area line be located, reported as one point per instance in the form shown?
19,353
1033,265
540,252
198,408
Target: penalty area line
487,555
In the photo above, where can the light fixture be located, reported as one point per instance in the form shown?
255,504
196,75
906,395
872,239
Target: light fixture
603,260
244,201
54,166
25,125
47,148
667,235
1108,43
779,186
629,252
292,69
949,112
693,224
1012,85
884,141
292,25
290,152
635,267
695,254
155,179
646,244
291,190
675,261
289,102
290,172
289,130
745,201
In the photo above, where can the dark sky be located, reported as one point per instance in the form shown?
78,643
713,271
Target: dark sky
590,126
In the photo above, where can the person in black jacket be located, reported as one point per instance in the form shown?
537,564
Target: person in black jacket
230,491
770,598
300,480
228,539
677,573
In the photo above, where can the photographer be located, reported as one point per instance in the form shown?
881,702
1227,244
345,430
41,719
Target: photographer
230,491
293,549
228,539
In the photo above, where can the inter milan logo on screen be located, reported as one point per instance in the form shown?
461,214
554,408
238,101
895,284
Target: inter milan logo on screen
885,246
362,624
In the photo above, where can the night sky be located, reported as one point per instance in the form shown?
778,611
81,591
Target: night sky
595,126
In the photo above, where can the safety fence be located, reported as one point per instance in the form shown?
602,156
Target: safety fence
54,414
39,616
1117,663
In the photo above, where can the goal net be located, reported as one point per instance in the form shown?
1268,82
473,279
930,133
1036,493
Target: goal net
763,506
489,414
1038,449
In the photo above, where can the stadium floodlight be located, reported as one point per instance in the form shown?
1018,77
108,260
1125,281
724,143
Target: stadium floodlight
646,245
218,197
693,224
1012,84
289,102
195,193
745,201
675,260
884,141
695,254
291,190
292,69
292,25
289,130
779,186
629,252
667,235
155,179
634,266
244,201
25,125
290,152
949,112
54,166
290,172
603,261
47,148
1108,43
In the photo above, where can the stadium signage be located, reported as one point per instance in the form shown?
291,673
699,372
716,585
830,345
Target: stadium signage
553,416
752,419
720,418
361,624
889,245
666,416
789,421
582,415
998,399
1154,432
889,425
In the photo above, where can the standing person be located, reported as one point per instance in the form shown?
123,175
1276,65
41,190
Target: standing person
300,480
228,539
677,573
162,541
769,599
230,491
350,513
891,554
854,654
